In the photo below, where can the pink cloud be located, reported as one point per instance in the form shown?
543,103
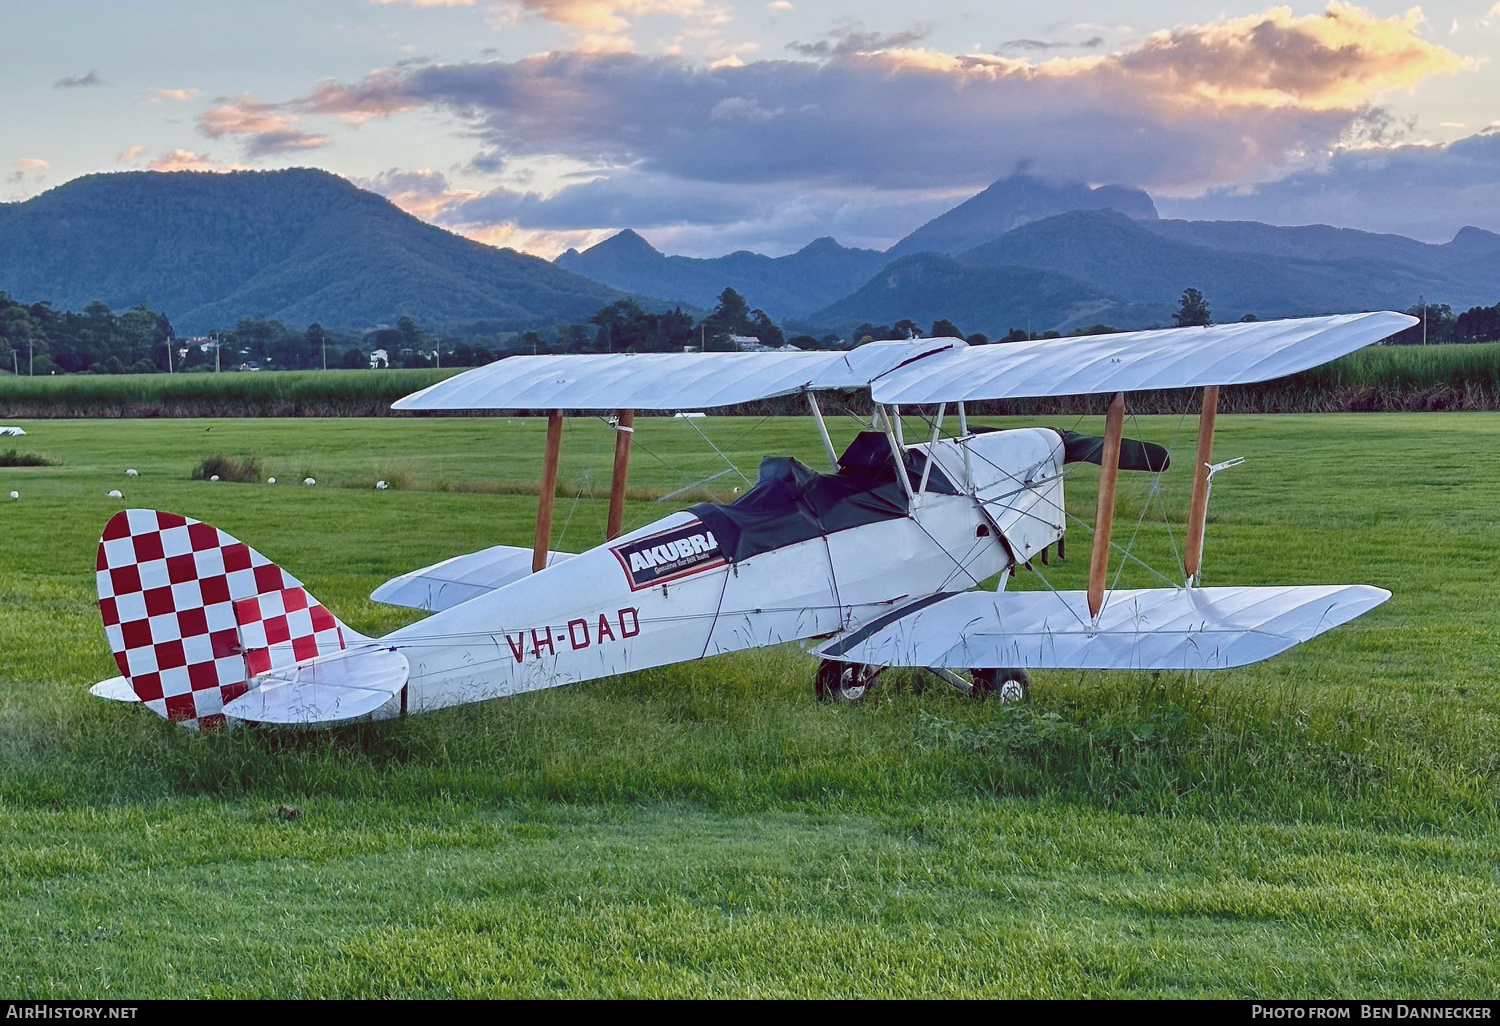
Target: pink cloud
263,127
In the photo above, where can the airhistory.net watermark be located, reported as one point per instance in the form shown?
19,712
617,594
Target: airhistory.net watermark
60,1010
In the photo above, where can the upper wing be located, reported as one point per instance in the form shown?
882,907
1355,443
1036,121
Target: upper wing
446,584
662,381
916,371
1225,354
1146,629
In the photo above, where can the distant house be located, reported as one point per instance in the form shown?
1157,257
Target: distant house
755,345
379,358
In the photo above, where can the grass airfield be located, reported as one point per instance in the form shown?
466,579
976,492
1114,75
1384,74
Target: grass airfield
1319,825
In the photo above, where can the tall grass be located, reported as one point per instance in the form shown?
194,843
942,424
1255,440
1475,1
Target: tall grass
1378,378
333,393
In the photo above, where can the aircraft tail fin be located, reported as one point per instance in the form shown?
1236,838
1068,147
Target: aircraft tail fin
192,614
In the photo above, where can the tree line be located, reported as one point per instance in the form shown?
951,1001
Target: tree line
36,338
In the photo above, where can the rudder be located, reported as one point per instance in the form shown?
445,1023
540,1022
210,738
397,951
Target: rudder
192,613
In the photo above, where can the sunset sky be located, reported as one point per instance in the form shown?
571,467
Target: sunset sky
711,125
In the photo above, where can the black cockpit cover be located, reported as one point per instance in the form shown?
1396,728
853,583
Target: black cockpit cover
791,502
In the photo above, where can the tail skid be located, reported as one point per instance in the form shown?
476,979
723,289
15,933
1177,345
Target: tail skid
193,614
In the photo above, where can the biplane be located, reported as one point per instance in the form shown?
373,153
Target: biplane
896,555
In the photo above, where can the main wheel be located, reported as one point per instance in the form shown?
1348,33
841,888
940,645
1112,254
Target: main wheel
845,682
1007,683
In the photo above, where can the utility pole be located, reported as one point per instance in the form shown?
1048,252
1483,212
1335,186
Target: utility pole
1423,300
169,354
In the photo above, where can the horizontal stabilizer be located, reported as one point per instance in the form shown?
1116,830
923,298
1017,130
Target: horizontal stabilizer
344,686
1147,629
457,580
116,689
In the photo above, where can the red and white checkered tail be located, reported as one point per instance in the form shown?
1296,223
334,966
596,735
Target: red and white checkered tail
192,614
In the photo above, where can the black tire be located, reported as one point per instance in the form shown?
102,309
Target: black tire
845,682
1005,684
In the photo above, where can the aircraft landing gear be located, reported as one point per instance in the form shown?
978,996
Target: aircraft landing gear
1007,683
845,682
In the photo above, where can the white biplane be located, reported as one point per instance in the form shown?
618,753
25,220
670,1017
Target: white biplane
881,558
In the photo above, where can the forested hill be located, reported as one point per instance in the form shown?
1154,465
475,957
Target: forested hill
297,245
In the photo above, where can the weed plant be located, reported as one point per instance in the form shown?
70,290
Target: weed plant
244,469
12,458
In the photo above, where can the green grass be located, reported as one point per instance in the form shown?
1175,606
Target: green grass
1323,824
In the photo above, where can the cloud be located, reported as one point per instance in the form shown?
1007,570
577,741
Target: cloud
600,15
426,194
697,218
35,165
187,160
543,243
160,95
1332,61
83,81
428,3
779,5
263,127
422,192
130,153
847,39
1427,192
1092,43
866,136
1191,108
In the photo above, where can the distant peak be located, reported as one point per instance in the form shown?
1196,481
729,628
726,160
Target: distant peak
1019,199
625,243
1475,240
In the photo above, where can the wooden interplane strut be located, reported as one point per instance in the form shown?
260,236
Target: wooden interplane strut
1109,471
548,493
1192,556
624,433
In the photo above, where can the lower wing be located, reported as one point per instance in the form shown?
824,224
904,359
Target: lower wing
1146,629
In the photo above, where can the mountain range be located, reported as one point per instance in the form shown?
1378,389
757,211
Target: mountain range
782,286
304,245
1038,255
299,246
